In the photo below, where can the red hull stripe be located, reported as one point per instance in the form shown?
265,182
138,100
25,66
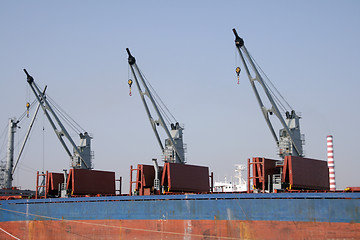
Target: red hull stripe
178,229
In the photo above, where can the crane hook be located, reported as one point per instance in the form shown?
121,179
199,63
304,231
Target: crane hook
238,74
130,83
27,109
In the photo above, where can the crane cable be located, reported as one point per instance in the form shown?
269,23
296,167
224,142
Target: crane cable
237,70
164,111
130,82
26,112
66,117
273,87
27,101
2,147
70,121
161,105
153,93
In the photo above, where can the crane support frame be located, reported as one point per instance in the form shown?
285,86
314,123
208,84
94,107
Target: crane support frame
239,42
179,158
41,97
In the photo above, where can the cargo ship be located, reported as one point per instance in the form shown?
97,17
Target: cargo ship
287,198
185,216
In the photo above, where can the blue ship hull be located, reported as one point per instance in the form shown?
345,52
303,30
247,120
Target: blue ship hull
190,216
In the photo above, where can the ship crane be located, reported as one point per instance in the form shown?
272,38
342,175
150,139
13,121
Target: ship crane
81,156
290,140
173,149
10,167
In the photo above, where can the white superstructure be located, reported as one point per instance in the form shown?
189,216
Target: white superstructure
232,186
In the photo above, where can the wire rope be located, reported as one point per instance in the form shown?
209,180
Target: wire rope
70,121
160,102
276,99
67,115
169,117
26,168
25,112
75,126
273,86
4,139
19,163
65,120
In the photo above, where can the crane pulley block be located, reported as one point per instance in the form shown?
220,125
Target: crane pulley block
238,70
27,109
130,83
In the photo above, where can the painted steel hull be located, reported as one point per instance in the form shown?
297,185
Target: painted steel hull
177,229
197,216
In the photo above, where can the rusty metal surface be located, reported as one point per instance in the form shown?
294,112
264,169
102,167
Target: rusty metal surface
262,168
83,181
190,216
145,175
177,229
185,178
352,189
53,180
306,173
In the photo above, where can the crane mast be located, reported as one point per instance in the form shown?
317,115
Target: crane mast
290,140
173,149
9,168
10,154
81,156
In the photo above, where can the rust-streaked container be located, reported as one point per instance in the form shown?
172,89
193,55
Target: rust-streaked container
53,180
298,173
144,183
262,169
305,173
145,176
185,178
83,182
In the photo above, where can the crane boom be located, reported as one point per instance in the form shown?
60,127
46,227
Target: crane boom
289,141
26,137
81,156
173,150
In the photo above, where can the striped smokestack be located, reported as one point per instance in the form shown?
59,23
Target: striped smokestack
331,166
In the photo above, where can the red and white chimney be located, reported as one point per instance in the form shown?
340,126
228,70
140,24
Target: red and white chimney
331,166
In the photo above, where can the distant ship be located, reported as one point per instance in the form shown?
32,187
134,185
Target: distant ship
233,186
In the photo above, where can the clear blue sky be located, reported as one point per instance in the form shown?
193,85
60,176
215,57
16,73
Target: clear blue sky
309,49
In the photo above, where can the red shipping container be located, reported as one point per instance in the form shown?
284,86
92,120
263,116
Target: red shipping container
185,178
52,182
306,173
92,182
